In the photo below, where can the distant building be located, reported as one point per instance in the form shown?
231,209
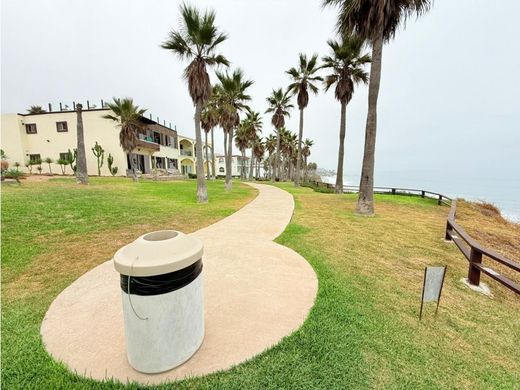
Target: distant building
28,137
237,163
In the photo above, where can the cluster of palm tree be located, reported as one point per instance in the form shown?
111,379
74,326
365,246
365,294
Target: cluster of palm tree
373,22
361,23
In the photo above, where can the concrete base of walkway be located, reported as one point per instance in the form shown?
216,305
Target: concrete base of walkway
256,293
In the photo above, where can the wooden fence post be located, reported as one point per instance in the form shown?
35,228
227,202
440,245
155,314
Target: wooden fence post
447,237
439,202
393,191
475,257
422,194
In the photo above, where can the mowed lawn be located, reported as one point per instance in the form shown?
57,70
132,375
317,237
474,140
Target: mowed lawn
53,232
363,331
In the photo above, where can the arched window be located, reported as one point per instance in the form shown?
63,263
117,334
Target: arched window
221,170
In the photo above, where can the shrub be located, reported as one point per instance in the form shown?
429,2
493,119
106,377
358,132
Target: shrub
192,175
12,174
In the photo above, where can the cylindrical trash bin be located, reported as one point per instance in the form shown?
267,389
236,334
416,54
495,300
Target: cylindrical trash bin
163,305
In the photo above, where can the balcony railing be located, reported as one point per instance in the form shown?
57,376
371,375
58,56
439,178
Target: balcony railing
148,145
186,153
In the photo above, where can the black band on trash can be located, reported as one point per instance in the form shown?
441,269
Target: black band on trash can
161,284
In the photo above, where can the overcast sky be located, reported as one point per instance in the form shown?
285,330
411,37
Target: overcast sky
449,89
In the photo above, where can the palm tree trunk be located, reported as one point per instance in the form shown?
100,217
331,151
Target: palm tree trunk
278,164
243,170
229,183
225,147
251,165
81,159
213,156
133,165
202,192
306,169
341,151
298,162
207,155
365,205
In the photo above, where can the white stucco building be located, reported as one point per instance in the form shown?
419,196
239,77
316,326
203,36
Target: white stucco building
26,137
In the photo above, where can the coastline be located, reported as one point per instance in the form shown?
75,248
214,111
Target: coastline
509,207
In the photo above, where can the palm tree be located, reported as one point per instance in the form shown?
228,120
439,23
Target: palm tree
232,98
270,145
81,161
36,110
254,125
303,79
242,142
279,105
306,152
208,121
197,41
376,21
127,116
258,151
346,63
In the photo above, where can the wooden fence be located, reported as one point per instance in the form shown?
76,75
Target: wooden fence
470,248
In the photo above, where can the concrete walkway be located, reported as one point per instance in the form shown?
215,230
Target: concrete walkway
256,293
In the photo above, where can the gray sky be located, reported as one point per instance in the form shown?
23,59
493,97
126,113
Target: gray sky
449,90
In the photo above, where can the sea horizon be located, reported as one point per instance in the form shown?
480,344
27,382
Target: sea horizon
498,191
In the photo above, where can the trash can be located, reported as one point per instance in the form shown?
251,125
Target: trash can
163,304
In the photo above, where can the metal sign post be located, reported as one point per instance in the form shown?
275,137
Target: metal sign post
432,286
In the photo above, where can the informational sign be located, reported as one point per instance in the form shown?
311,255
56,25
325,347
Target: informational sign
432,286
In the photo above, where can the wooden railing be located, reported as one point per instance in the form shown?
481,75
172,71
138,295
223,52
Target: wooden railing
469,247
474,252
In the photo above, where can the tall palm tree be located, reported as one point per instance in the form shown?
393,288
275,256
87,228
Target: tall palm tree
254,125
232,98
242,143
81,159
209,120
376,21
196,41
306,152
303,78
127,116
270,145
279,104
346,63
258,151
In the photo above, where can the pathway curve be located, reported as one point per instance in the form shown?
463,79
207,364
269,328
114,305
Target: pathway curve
256,292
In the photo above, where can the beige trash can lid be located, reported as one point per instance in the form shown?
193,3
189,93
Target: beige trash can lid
158,253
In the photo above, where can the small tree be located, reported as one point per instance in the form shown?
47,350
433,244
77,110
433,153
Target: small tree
63,162
17,165
110,161
39,168
29,167
71,158
99,152
49,161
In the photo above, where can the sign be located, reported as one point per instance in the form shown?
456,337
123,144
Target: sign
432,286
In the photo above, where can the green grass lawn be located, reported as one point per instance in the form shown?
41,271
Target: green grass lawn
363,331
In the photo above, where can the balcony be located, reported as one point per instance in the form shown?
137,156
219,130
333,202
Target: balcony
144,144
186,153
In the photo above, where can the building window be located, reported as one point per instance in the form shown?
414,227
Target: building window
35,158
64,156
62,127
221,170
30,128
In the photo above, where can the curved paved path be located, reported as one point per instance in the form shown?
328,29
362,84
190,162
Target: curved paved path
256,292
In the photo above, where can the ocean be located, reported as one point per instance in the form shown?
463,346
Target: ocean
503,192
